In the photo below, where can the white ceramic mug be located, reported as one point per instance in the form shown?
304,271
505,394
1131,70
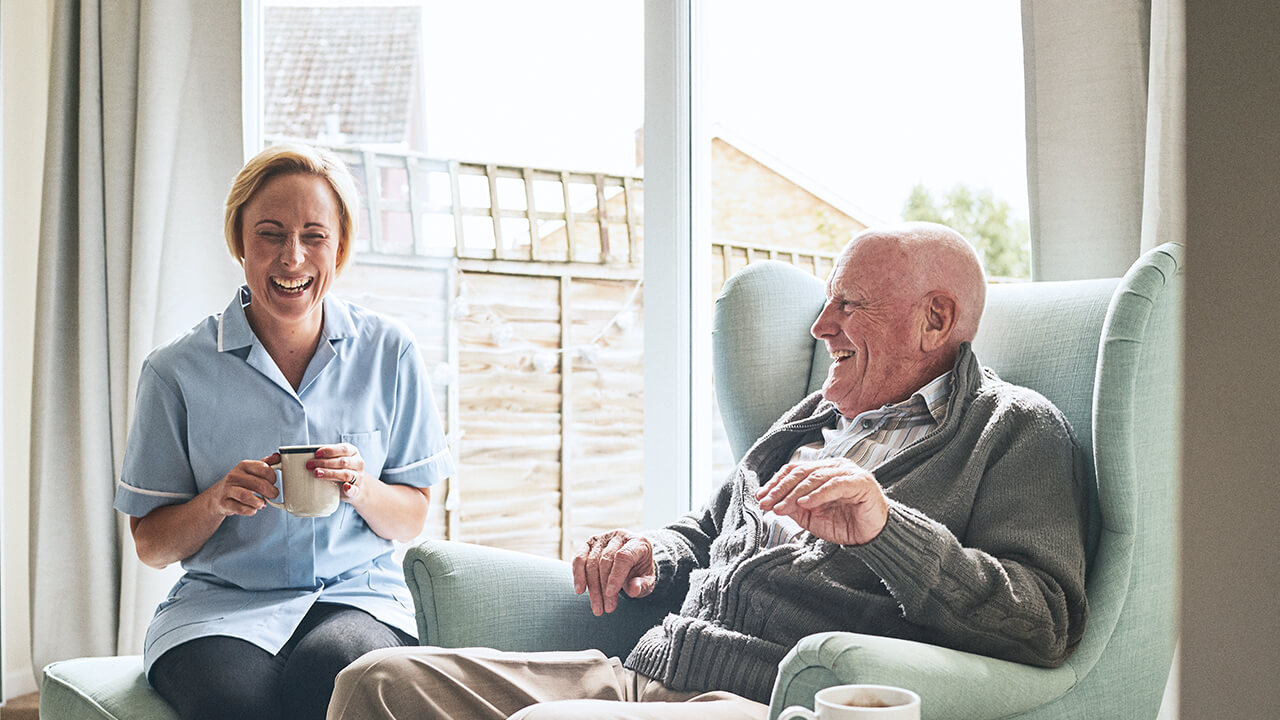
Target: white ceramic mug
304,494
859,702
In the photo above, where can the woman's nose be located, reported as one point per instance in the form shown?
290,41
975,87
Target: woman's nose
291,254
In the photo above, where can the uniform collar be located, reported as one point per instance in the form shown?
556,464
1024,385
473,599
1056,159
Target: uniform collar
234,332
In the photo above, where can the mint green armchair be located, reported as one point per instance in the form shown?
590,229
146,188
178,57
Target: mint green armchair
1104,351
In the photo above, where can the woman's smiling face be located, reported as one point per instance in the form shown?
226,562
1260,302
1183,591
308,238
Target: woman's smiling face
291,231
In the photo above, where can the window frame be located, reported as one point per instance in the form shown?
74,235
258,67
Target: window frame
677,333
677,345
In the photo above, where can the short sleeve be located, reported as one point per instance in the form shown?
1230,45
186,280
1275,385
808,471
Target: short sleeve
417,451
157,469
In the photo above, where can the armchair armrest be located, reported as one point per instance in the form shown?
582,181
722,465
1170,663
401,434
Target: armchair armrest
471,595
951,684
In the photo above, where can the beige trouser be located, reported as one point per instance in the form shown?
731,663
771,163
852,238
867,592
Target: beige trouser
484,684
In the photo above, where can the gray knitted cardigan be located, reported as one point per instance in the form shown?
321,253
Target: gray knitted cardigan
984,549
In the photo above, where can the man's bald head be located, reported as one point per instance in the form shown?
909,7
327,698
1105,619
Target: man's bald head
900,301
934,258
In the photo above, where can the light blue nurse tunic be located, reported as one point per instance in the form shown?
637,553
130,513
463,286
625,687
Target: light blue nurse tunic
214,397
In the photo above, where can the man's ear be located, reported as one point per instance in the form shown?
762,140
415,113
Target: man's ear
938,322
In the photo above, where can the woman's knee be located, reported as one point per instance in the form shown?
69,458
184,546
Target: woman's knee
218,677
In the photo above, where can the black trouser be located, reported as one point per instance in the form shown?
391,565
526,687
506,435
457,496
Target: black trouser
225,677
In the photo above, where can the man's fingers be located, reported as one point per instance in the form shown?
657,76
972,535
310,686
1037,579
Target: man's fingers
799,484
604,567
592,558
781,485
624,561
639,586
590,574
607,567
857,487
580,571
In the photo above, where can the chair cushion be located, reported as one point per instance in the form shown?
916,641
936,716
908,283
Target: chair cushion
100,687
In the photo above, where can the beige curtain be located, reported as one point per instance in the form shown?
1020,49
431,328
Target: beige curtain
1104,132
144,135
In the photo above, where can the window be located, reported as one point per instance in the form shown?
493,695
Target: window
497,147
501,146
832,116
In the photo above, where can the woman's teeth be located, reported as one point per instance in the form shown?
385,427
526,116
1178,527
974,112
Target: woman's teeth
841,354
291,285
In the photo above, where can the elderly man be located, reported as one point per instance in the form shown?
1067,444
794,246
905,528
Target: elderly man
916,496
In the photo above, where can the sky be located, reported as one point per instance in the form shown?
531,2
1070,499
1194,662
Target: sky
869,98
865,98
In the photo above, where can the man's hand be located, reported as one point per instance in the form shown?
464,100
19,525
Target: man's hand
834,498
611,563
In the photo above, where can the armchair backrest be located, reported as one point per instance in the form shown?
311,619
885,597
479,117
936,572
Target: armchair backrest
1105,352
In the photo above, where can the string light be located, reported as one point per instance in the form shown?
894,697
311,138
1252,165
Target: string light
444,374
502,333
544,361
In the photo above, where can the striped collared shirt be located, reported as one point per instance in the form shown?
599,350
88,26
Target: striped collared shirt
869,439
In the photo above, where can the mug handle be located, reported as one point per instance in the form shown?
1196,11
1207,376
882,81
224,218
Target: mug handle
273,503
797,711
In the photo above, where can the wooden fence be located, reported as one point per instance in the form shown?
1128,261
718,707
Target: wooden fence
523,288
539,377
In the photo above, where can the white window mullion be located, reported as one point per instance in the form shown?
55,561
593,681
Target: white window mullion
251,76
677,339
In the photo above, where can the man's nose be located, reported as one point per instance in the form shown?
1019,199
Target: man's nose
822,328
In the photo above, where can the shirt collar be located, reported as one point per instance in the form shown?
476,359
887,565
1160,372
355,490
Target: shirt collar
233,326
936,395
932,398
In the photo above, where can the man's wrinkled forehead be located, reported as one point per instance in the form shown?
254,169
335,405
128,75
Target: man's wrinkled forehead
868,257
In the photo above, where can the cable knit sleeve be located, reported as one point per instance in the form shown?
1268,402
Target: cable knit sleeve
685,545
1013,585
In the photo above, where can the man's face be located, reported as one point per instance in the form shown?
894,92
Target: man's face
872,326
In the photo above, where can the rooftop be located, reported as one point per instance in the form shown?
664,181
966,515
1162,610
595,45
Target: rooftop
340,70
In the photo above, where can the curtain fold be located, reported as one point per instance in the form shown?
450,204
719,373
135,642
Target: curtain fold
1104,132
144,136
1164,198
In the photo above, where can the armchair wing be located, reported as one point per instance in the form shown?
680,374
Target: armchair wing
471,595
951,684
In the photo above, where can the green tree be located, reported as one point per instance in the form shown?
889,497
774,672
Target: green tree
1002,240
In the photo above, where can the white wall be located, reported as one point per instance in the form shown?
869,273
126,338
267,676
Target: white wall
26,26
1231,484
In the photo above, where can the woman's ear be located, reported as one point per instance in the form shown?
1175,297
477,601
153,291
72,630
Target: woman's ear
939,320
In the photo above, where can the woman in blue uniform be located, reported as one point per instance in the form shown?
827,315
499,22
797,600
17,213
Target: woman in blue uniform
272,606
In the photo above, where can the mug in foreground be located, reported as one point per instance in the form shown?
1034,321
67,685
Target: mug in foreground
305,495
859,702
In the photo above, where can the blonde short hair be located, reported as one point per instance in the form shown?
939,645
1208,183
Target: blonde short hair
287,159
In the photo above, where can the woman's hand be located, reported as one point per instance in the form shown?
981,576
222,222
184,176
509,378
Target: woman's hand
395,512
172,533
341,464
241,491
